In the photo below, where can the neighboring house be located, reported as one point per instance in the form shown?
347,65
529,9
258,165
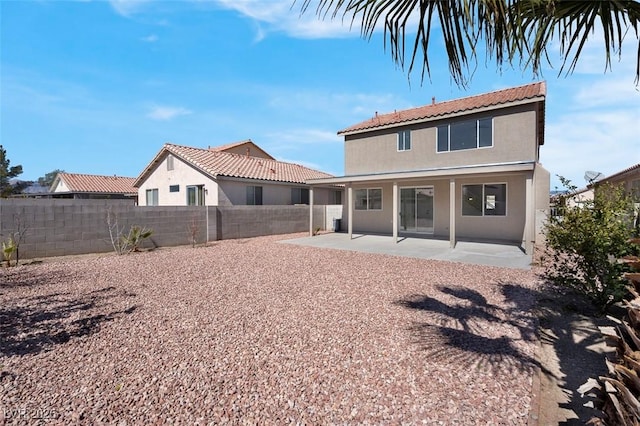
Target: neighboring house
629,178
462,169
83,186
235,174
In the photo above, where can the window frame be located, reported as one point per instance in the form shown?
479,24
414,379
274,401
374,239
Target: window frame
368,198
484,199
174,188
199,195
478,144
403,140
300,199
254,197
155,199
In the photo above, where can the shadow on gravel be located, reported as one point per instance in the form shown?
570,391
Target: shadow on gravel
465,332
569,331
469,332
34,324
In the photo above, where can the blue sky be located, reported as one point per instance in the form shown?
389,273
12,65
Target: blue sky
99,86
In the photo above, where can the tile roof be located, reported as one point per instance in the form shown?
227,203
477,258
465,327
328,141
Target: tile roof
98,184
533,91
220,163
229,145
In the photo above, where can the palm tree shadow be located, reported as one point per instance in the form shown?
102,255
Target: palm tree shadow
473,332
29,325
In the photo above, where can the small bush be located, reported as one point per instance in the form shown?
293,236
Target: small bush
585,243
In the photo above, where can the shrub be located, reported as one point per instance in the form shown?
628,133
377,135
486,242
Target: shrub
585,243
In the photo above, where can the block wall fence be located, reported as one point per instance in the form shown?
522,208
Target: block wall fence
60,227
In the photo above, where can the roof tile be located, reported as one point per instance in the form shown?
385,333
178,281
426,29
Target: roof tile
98,184
229,164
434,110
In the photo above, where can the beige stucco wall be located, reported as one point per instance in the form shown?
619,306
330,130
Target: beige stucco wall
514,139
182,174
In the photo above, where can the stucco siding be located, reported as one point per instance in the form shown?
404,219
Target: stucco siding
514,139
182,175
506,228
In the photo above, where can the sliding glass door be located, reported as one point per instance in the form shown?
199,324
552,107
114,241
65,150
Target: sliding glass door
416,210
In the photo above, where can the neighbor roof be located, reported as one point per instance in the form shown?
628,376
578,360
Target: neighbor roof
216,163
248,143
528,93
76,182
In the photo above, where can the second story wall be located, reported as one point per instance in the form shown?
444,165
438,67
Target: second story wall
514,137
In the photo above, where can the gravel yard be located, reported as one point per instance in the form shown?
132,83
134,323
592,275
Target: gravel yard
259,332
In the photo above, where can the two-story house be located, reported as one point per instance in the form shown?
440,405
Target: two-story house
461,169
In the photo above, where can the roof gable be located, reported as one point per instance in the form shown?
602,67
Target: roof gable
76,182
523,94
243,148
217,163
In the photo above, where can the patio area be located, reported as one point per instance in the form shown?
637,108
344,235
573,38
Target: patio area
475,253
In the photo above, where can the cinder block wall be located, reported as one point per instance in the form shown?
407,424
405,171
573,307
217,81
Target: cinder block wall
58,227
253,221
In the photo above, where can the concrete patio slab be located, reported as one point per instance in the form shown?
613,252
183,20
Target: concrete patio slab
478,253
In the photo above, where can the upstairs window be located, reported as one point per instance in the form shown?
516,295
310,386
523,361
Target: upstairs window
174,188
404,140
299,195
254,195
470,134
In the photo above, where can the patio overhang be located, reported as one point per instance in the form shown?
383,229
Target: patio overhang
438,172
452,174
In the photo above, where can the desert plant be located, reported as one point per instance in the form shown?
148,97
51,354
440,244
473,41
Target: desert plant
135,237
8,248
125,243
619,391
585,243
193,229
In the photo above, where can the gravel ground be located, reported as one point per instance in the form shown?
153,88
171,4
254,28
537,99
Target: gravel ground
258,332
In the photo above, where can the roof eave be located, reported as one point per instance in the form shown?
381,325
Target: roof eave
346,132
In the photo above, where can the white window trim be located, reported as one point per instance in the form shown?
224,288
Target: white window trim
506,199
400,134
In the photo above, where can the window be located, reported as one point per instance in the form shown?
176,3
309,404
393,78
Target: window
174,188
299,195
461,135
335,197
484,200
152,197
254,195
404,140
170,162
195,195
368,199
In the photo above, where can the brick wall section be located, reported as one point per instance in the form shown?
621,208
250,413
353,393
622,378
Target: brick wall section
58,227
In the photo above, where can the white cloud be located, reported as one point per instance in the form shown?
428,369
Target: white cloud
127,8
151,38
283,16
604,141
165,113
